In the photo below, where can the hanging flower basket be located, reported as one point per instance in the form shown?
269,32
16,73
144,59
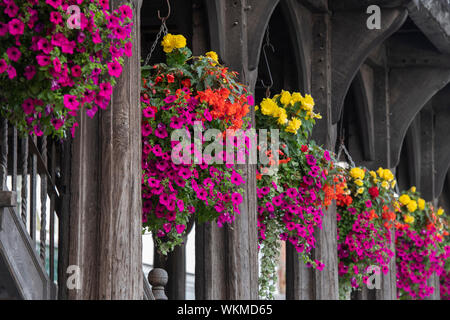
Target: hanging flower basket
422,246
365,216
290,189
55,64
187,103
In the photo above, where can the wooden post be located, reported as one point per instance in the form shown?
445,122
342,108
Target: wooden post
325,281
175,266
227,258
105,224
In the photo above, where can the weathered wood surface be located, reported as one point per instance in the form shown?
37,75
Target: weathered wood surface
26,272
8,198
344,65
158,279
227,258
325,281
407,97
105,218
175,266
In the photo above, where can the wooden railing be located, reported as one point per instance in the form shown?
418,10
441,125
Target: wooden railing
28,169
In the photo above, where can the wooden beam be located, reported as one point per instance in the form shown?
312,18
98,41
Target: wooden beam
345,66
227,258
105,218
326,284
441,107
410,89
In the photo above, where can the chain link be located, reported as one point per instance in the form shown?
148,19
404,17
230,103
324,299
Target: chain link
343,148
162,31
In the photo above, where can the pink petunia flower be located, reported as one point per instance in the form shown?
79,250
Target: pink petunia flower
56,17
54,3
28,106
180,228
11,9
57,123
44,45
71,102
105,89
16,27
126,11
3,29
13,53
29,72
76,71
11,72
129,49
43,60
3,66
114,69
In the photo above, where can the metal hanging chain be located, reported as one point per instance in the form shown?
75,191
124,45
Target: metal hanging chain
265,46
342,147
162,31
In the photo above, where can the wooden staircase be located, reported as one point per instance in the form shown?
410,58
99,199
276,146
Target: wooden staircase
22,273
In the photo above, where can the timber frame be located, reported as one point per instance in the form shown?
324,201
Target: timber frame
384,93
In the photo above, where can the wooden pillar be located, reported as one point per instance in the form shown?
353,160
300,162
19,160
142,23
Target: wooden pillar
175,265
105,239
227,258
325,281
427,171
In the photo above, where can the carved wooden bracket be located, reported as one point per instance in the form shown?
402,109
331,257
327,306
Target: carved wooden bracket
349,30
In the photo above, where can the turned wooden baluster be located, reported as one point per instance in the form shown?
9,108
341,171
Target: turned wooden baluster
158,279
3,153
43,201
24,179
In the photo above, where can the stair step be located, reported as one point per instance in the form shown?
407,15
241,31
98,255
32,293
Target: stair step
22,273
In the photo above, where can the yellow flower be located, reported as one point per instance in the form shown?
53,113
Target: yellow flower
412,206
376,180
380,172
387,175
359,182
285,97
408,218
317,116
357,173
171,42
440,211
268,107
393,183
293,125
308,103
385,184
373,174
360,190
212,55
296,97
421,203
282,116
413,189
396,206
404,199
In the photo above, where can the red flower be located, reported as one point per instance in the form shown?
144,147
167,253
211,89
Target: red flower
373,191
304,148
186,82
170,78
